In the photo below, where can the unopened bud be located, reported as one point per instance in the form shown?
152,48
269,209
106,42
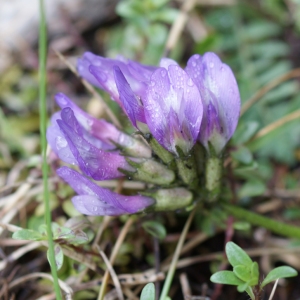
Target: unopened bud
171,199
150,171
133,147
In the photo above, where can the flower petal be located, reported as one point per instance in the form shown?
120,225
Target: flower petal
98,164
173,109
166,62
58,142
218,87
132,107
95,200
83,65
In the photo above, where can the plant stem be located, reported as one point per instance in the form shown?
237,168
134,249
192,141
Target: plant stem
256,219
43,125
114,254
175,258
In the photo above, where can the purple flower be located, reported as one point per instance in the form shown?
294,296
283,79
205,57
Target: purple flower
94,200
74,144
220,96
103,134
99,72
164,98
173,107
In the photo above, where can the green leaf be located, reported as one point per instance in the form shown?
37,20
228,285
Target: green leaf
28,234
155,228
167,15
254,274
72,236
244,132
60,232
226,277
43,229
148,292
280,272
253,187
260,30
237,256
59,256
249,291
242,154
241,225
242,287
242,272
126,9
77,222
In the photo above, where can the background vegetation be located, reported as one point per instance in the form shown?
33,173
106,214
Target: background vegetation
260,40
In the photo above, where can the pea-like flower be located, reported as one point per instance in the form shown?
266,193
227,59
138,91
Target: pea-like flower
101,152
99,71
165,99
172,106
94,200
220,97
78,144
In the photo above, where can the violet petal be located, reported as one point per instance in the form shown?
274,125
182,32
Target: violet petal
58,142
98,164
173,109
217,86
95,200
133,109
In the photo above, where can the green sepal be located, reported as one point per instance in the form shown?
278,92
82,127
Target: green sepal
166,156
150,171
213,175
170,199
135,147
186,166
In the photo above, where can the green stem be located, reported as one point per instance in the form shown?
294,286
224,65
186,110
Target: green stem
256,219
175,258
43,125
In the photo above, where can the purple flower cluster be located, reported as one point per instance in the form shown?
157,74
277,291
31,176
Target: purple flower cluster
178,107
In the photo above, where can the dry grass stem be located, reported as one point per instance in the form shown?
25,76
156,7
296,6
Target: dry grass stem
20,199
185,286
19,253
219,256
192,243
130,294
271,127
113,274
141,278
113,256
12,242
10,201
179,24
82,258
102,227
10,227
273,290
265,89
68,291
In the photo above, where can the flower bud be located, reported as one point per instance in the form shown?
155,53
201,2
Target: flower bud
150,171
220,97
171,199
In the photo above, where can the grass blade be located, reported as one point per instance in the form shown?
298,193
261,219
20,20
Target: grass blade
43,125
